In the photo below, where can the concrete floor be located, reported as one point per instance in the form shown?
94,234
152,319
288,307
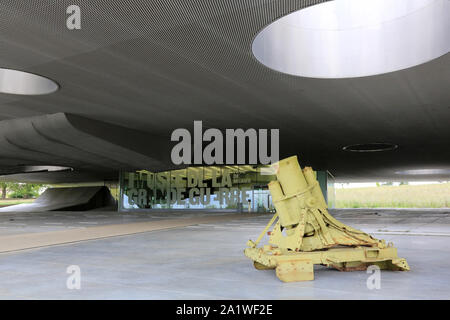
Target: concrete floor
206,261
35,222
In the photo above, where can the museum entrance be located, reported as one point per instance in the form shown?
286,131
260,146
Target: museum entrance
215,188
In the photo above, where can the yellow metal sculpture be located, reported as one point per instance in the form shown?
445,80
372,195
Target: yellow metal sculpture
305,233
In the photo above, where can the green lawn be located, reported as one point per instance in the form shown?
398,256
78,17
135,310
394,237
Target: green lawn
405,196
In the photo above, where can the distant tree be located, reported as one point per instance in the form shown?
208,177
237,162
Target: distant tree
4,186
387,184
404,183
25,190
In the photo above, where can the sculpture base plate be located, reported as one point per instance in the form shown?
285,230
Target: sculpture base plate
299,266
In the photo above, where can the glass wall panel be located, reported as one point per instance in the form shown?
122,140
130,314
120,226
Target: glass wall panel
235,188
135,192
331,193
322,178
178,189
262,196
161,192
230,191
212,190
126,184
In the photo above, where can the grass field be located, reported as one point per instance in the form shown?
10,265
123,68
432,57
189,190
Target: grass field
10,202
405,196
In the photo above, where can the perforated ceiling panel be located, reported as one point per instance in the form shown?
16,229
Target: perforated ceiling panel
158,65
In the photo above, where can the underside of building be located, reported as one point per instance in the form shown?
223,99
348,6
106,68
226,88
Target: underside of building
160,129
138,70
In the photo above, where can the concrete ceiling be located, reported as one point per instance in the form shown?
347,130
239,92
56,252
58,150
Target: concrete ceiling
154,66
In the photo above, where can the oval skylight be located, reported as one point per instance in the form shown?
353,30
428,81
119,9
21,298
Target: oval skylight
24,83
425,172
355,38
370,147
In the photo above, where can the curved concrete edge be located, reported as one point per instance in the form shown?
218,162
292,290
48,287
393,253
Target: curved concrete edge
71,198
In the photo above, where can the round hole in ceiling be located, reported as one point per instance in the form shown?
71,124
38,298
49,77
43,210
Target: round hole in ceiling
41,168
425,172
370,147
25,83
355,38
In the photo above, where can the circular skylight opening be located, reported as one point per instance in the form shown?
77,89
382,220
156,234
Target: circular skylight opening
355,38
425,172
370,147
46,169
24,83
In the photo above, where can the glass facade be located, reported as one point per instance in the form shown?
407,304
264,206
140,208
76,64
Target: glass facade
330,191
225,188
